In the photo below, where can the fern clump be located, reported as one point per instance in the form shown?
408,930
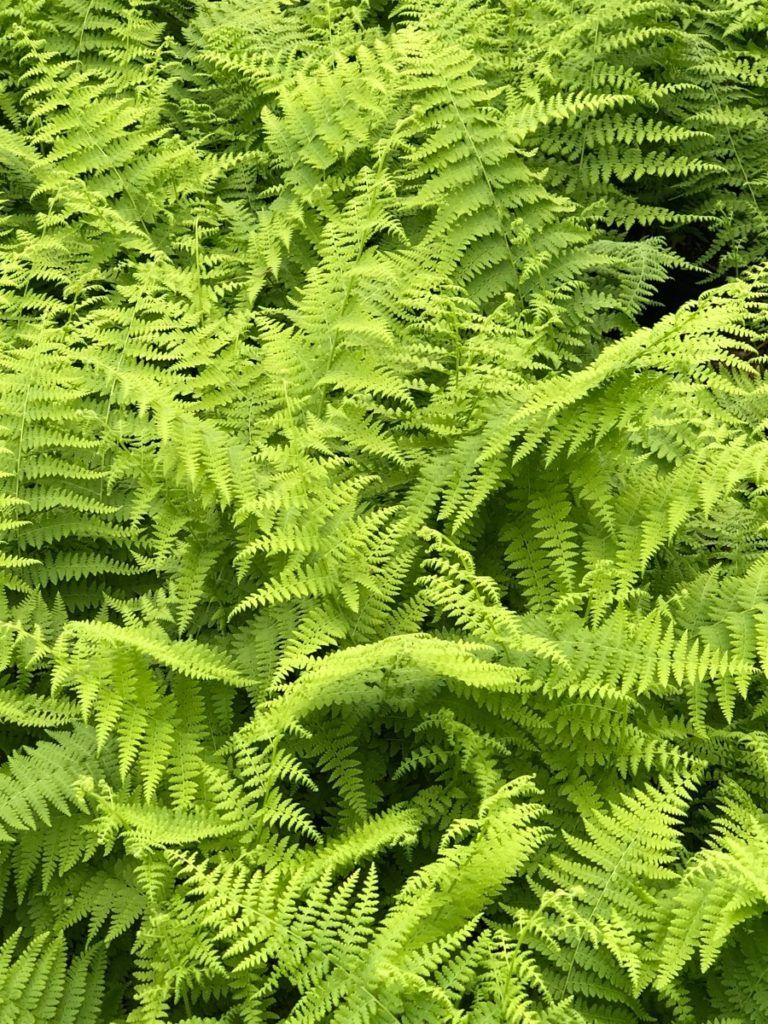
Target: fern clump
384,512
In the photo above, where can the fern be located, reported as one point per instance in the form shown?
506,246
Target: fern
383,469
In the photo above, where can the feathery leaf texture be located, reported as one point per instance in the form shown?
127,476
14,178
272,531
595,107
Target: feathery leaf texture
383,512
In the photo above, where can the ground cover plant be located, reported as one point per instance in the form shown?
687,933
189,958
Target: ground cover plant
383,502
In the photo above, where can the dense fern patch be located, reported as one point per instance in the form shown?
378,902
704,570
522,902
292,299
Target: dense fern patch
383,497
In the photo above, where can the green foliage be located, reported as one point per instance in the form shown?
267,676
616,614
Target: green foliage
383,507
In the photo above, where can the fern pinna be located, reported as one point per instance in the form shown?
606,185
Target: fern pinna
383,497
